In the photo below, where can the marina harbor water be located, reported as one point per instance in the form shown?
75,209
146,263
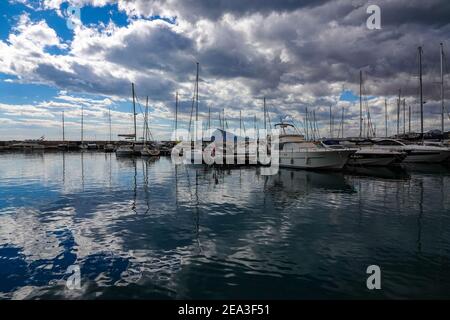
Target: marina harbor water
142,227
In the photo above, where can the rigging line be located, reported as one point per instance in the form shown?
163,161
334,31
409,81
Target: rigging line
145,121
192,107
268,117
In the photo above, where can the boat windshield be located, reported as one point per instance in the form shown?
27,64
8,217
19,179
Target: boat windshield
287,129
388,142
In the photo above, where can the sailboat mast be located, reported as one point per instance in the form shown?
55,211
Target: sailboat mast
409,119
442,88
146,122
63,129
82,124
360,105
306,124
265,123
398,111
134,112
331,130
385,118
421,91
196,102
240,122
209,118
316,128
176,115
404,116
109,116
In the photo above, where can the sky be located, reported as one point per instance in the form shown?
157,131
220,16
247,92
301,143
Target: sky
297,54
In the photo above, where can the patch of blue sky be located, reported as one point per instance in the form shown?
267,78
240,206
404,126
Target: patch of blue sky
348,95
171,20
7,13
91,15
24,93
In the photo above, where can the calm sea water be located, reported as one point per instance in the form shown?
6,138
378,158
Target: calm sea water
148,229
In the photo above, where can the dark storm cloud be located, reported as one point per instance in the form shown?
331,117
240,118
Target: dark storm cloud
85,79
155,49
214,9
298,53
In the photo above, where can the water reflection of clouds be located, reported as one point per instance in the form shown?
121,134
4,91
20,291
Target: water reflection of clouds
131,222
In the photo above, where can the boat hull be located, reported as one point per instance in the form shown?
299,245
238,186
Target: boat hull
371,161
375,158
427,157
315,159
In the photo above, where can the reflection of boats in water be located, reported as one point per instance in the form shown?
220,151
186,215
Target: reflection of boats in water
428,168
395,173
300,181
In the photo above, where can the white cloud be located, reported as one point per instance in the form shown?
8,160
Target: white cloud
297,55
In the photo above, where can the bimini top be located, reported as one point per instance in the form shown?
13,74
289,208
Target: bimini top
288,129
289,134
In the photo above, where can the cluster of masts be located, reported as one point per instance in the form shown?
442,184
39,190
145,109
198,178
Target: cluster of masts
401,104
367,128
310,124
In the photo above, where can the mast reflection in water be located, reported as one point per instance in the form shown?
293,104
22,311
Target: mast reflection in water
148,229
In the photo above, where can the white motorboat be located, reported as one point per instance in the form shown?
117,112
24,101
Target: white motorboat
295,152
28,146
415,153
367,155
376,157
